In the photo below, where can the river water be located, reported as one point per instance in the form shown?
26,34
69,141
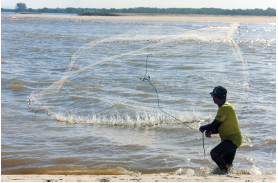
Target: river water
128,97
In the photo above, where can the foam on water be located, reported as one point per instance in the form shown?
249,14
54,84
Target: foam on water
206,171
183,171
147,119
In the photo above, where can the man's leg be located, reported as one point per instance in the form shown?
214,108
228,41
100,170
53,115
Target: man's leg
229,158
218,160
217,153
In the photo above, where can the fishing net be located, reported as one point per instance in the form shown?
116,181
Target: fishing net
103,82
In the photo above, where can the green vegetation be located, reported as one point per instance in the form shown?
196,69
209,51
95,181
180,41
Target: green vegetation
201,11
21,7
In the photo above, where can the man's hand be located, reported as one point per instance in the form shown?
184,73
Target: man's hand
208,134
201,129
214,125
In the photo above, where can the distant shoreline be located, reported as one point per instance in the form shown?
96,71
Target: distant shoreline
160,17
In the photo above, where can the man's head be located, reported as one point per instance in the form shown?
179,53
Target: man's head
219,92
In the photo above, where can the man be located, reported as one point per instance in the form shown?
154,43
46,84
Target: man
226,124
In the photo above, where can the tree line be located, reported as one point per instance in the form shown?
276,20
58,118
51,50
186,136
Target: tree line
21,7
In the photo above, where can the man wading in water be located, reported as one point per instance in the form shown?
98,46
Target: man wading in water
226,124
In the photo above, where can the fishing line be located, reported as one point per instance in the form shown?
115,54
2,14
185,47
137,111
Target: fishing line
148,79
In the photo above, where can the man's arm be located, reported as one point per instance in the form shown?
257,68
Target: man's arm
211,127
214,131
208,133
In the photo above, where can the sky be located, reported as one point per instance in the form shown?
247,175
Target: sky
224,4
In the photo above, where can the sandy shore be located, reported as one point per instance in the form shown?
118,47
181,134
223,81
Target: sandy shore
162,17
141,178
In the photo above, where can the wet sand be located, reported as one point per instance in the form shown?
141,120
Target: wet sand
141,178
162,17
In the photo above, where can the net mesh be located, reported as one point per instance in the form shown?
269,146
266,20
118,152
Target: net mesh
102,81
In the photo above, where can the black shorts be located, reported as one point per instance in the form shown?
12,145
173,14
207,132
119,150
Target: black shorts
227,150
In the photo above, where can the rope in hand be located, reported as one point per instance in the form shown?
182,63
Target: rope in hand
148,79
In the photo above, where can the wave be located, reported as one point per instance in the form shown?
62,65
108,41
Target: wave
151,38
139,120
207,171
70,170
16,87
110,170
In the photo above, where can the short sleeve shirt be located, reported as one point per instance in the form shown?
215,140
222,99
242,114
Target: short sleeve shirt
229,129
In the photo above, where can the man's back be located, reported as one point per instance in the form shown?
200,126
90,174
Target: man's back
229,129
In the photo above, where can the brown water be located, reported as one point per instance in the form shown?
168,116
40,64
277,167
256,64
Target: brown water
73,102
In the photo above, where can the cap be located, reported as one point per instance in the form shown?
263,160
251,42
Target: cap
219,92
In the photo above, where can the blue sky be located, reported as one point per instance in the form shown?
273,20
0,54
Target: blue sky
224,4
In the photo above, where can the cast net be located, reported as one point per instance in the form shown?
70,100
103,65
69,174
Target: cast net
102,82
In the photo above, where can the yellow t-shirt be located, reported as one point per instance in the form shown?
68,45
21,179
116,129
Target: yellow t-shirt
229,129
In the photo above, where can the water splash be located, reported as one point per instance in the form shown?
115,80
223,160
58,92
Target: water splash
147,119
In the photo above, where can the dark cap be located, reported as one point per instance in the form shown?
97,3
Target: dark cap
219,92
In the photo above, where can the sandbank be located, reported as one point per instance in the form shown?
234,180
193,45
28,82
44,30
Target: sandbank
140,178
161,17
